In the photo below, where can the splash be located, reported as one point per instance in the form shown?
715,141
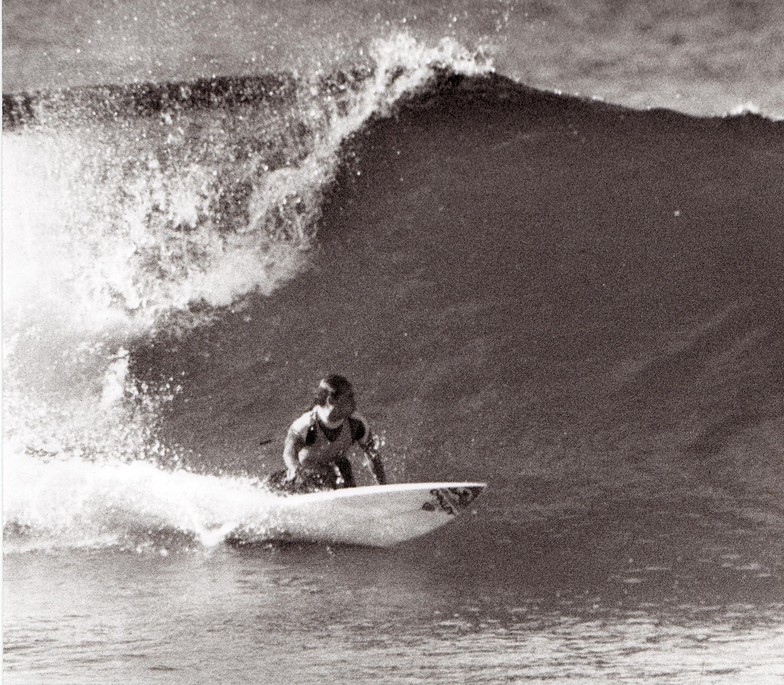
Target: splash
95,474
137,506
123,222
115,221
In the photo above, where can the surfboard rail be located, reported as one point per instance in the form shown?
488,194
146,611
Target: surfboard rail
371,515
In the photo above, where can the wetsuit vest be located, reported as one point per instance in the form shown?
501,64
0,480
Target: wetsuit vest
324,446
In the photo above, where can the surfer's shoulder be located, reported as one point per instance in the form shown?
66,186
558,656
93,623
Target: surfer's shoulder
360,431
302,425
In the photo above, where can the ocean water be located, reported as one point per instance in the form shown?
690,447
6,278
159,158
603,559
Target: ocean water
544,242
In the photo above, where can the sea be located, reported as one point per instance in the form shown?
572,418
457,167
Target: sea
545,241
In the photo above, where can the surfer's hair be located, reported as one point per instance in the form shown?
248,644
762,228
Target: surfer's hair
332,386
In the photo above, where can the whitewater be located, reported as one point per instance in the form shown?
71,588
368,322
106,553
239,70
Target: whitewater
544,242
162,240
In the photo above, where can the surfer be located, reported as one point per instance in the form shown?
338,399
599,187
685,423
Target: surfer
318,441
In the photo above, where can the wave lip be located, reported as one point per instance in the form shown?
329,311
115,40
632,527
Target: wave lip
112,101
176,194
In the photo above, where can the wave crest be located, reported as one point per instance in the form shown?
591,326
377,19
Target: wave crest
168,197
131,210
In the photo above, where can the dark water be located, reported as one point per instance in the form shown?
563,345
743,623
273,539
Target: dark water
578,303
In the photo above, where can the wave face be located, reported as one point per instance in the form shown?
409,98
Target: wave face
135,212
577,302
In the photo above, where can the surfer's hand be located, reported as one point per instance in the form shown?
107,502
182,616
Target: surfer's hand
291,474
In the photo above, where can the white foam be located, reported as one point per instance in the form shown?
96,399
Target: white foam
109,226
746,108
68,502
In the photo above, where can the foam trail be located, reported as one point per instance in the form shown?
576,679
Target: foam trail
75,503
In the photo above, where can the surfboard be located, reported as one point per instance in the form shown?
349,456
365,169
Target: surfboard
374,515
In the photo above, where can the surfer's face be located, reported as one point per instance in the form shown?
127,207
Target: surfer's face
341,405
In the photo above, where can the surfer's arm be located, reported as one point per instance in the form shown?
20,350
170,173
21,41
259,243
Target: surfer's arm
376,465
296,439
294,443
373,460
360,432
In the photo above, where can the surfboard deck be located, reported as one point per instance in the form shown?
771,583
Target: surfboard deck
374,515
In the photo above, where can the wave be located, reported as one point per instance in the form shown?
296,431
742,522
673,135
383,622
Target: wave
577,301
158,197
137,209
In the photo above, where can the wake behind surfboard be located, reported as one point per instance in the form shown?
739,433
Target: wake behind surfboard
376,515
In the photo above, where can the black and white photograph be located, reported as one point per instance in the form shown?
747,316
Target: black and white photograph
393,342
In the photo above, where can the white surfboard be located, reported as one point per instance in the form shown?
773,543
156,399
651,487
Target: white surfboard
375,515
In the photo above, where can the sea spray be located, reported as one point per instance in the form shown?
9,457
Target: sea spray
105,478
66,502
124,218
120,226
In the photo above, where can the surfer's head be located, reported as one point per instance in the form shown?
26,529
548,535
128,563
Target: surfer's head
336,394
333,387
